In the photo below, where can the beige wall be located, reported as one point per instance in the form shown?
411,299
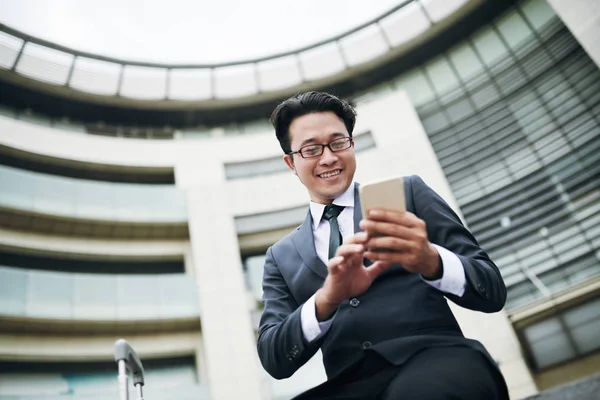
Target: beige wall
88,248
582,17
99,347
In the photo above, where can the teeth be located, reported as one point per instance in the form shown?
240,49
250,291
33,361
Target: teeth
330,174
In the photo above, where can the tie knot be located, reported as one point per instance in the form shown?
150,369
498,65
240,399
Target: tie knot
332,211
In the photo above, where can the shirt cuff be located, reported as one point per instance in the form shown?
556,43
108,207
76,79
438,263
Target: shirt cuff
312,329
453,278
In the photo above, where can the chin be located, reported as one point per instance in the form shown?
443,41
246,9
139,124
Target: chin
334,190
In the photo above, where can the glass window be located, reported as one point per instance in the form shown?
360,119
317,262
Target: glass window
460,110
583,314
514,29
538,12
441,75
485,95
364,45
235,81
96,76
435,122
9,49
50,294
552,350
322,61
279,73
190,84
13,291
406,23
465,61
45,64
417,87
586,336
144,82
572,333
254,270
490,47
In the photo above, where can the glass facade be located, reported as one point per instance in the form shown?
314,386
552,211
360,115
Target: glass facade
174,378
96,297
564,336
77,198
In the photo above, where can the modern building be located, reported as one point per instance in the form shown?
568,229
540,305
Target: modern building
137,200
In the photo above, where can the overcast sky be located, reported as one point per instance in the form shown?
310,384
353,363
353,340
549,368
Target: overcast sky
187,31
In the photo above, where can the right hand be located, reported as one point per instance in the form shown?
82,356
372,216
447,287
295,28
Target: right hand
347,276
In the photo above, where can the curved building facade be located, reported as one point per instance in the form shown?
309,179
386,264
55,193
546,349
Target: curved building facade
138,200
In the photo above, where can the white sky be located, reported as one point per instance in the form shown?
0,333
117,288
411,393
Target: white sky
187,31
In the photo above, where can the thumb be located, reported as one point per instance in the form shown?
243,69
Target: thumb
377,268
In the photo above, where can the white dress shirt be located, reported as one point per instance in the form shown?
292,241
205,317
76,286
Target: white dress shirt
453,279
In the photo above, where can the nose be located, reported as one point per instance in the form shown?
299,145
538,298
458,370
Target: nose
328,157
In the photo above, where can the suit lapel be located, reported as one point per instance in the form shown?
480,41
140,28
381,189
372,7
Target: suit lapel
305,245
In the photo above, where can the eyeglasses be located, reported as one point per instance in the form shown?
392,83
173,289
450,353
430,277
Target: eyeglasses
315,150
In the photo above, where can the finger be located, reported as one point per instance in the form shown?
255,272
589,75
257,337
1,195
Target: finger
408,260
386,256
377,268
390,243
348,249
333,265
387,229
354,260
397,217
358,238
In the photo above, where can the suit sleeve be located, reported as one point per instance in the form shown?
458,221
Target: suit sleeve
485,290
282,348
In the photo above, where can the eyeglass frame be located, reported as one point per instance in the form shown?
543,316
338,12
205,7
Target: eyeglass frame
349,139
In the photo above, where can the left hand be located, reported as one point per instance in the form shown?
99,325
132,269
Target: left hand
403,237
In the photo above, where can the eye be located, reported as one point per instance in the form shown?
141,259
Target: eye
311,150
338,144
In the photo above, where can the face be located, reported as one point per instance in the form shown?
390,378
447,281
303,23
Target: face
326,176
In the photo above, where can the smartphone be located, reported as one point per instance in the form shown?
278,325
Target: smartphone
386,193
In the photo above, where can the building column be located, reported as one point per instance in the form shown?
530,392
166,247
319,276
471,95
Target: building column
228,352
582,17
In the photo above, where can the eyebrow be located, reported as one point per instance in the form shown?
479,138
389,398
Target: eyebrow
333,136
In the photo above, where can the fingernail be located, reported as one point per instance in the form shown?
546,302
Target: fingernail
374,213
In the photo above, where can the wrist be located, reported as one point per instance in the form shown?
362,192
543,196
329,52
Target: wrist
435,268
325,307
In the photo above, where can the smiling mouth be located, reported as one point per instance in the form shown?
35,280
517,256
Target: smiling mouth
330,173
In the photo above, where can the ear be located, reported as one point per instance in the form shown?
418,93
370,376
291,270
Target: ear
289,161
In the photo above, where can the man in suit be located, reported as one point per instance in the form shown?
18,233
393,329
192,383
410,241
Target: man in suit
380,317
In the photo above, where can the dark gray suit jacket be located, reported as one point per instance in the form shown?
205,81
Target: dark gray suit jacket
397,316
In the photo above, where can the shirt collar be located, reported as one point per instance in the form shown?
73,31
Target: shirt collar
346,199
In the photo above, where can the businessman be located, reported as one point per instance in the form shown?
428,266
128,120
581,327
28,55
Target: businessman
370,290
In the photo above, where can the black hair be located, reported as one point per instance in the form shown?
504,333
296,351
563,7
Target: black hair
308,103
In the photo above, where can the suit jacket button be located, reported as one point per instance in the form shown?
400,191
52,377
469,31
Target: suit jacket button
483,291
354,302
367,345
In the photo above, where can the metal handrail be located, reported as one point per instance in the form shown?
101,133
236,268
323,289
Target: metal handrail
77,53
211,83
